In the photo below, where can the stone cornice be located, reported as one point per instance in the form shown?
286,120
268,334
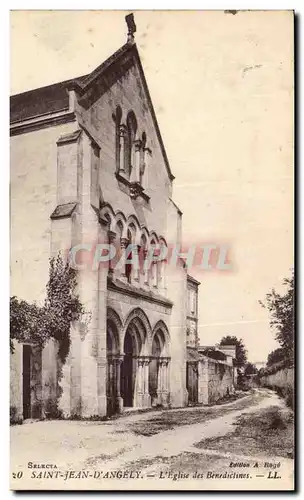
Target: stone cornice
177,208
70,138
191,280
42,121
127,289
194,318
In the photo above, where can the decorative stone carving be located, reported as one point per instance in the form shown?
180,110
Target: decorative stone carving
135,190
131,28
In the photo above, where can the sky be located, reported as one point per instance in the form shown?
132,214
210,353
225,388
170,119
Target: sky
222,89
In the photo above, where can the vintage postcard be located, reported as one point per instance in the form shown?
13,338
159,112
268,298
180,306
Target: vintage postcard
151,250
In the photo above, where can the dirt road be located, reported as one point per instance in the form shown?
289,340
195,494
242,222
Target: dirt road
153,450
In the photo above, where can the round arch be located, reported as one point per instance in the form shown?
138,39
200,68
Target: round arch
154,237
118,114
162,241
132,123
145,233
107,213
161,331
140,321
120,219
114,327
133,221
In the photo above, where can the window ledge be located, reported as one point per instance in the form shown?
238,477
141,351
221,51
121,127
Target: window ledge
123,179
135,189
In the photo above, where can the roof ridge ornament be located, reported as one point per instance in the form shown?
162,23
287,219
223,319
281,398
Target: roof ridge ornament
131,27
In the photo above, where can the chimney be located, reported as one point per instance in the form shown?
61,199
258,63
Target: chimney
131,28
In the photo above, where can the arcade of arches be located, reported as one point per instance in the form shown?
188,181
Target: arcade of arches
138,362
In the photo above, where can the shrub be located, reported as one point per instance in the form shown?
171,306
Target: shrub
275,420
289,397
52,411
14,418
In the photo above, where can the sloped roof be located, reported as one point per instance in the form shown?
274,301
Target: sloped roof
84,81
193,354
37,102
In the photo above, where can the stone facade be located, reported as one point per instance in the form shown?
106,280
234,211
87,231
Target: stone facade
88,167
192,312
215,380
208,380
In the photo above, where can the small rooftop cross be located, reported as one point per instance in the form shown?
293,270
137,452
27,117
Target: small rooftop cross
131,27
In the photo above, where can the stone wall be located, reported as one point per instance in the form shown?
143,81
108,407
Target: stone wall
192,312
16,399
33,178
215,380
282,379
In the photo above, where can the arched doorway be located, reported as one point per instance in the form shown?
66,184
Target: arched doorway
113,369
132,349
136,359
157,346
159,366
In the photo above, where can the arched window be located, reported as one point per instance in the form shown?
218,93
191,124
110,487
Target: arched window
162,265
119,144
119,247
130,138
154,268
130,272
119,229
143,250
142,166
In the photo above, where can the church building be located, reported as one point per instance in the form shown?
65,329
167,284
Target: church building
88,165
89,168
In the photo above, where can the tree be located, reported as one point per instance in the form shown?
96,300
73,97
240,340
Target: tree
275,356
250,369
25,322
281,309
213,353
36,324
241,352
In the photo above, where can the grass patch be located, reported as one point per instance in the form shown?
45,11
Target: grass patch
267,432
153,426
187,463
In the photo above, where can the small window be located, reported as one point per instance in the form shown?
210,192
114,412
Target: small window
192,301
118,141
129,143
129,256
